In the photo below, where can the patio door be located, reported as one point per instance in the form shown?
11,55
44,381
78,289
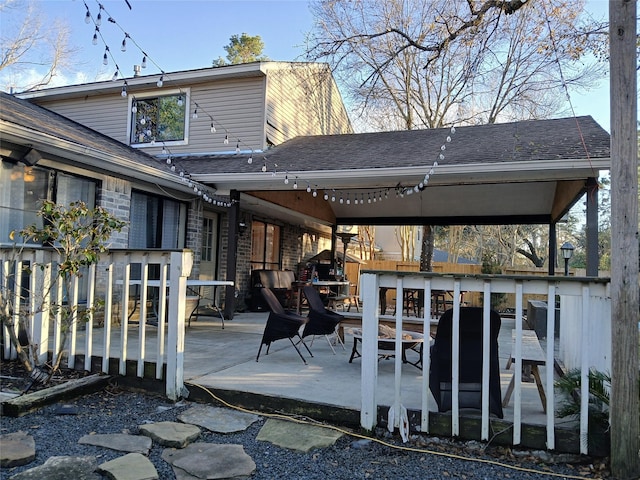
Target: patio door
209,257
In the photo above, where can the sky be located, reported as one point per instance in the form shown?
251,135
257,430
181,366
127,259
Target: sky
186,34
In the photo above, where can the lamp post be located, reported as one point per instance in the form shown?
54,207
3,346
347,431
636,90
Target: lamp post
567,252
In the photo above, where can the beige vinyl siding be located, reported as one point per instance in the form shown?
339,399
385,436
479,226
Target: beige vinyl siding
107,114
236,105
303,100
237,108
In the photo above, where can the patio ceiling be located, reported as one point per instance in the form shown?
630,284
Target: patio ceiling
520,172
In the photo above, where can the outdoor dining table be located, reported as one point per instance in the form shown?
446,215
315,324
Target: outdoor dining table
195,289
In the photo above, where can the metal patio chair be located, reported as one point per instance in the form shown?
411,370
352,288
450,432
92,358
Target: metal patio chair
281,324
322,321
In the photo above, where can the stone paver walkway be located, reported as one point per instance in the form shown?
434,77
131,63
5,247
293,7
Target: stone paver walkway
189,459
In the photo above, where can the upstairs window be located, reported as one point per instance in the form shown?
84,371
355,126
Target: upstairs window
160,118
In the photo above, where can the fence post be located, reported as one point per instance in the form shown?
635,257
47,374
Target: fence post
180,269
369,365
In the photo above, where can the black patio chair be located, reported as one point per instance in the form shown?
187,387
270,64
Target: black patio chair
281,324
470,365
322,321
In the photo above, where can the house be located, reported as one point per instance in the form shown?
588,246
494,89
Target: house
277,206
237,110
297,172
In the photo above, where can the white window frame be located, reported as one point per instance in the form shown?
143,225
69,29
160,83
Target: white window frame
186,92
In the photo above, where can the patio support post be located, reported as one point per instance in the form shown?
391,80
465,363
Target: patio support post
334,236
553,246
592,227
232,254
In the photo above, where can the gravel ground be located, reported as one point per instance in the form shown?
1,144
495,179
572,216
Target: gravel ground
113,411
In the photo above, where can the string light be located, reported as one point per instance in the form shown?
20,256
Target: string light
105,59
371,196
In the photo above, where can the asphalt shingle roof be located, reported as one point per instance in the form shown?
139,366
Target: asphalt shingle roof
531,140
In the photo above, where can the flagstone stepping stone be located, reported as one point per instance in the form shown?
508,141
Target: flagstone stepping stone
132,466
18,448
171,434
216,419
62,468
297,436
119,441
209,461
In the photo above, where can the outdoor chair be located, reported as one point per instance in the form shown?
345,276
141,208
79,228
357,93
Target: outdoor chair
281,324
322,321
470,364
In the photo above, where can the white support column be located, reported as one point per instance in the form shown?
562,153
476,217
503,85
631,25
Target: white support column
180,269
369,365
517,366
549,384
486,356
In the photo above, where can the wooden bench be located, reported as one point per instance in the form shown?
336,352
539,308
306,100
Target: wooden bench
532,357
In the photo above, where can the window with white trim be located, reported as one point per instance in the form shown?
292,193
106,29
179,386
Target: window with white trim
159,119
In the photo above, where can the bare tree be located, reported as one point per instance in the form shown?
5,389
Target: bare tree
30,44
409,64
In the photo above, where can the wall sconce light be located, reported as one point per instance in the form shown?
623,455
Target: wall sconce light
242,227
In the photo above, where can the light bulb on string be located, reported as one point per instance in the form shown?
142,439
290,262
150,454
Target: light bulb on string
195,113
326,195
164,150
180,101
213,128
87,17
441,156
99,19
143,121
348,200
173,167
308,188
333,195
443,147
264,167
295,184
143,64
369,198
159,84
115,76
286,180
134,107
94,40
453,130
250,159
448,139
124,90
315,192
123,47
341,199
238,147
168,160
226,139
105,59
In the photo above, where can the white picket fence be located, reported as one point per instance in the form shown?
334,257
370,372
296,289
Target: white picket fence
584,338
32,298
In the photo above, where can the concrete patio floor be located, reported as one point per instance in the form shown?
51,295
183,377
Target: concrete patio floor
225,359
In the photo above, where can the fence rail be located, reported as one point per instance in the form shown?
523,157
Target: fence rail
115,293
584,309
